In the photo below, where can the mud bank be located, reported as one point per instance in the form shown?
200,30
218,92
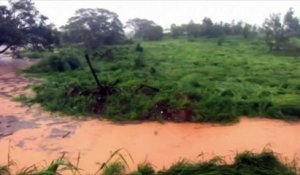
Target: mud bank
35,137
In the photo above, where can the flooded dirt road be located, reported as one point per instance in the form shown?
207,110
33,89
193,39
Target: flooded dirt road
35,137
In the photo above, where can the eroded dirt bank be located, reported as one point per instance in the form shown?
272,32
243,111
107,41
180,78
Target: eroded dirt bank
35,136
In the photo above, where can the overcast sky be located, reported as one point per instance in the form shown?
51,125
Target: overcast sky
167,12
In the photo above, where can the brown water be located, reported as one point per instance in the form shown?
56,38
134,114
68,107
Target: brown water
35,137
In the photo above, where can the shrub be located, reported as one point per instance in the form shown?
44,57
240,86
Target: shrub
221,40
56,64
139,48
59,62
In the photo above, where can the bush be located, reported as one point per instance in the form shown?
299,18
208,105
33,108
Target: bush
221,40
56,64
139,48
72,62
59,62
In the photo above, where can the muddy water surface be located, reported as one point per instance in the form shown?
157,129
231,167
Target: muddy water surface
35,137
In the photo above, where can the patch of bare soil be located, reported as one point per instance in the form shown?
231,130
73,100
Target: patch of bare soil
33,136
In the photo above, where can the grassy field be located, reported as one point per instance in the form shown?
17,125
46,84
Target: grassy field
247,163
173,79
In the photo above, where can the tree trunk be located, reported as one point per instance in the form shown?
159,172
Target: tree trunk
5,49
93,71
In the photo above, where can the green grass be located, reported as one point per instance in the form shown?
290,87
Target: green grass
59,165
247,163
214,83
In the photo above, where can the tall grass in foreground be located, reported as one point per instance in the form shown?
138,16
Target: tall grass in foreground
56,166
247,163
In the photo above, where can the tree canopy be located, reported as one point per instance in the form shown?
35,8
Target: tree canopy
212,30
292,23
21,24
145,29
278,32
94,28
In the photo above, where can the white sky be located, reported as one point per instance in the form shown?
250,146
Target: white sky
167,12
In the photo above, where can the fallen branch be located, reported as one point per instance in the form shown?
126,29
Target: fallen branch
5,49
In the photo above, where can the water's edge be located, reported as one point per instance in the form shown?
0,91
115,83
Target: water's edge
32,136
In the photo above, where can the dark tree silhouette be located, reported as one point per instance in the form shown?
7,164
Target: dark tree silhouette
278,33
21,24
94,28
145,29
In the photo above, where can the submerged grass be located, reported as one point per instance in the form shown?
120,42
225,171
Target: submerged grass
216,83
247,163
54,168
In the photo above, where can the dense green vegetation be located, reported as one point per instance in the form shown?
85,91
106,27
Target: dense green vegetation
247,163
179,80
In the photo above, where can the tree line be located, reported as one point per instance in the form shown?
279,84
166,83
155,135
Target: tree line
21,24
212,30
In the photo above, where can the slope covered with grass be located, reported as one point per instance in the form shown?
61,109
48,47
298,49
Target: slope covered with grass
181,80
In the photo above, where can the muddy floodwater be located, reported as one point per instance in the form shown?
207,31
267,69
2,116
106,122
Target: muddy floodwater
32,136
